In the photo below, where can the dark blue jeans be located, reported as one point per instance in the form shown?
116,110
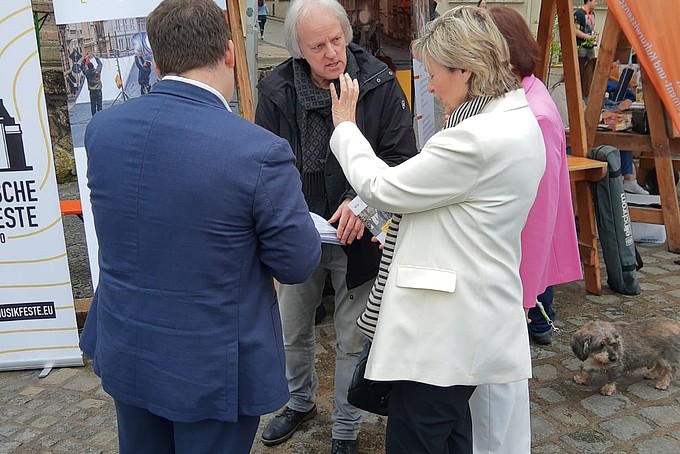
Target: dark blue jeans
539,324
262,20
626,162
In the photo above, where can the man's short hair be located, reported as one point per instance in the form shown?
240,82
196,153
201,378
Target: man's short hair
187,34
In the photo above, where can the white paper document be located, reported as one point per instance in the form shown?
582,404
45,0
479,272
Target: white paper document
327,232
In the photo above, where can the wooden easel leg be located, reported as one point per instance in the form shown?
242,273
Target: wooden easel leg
663,164
546,21
588,237
242,79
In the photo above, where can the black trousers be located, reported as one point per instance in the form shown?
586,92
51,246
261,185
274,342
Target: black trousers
428,419
142,432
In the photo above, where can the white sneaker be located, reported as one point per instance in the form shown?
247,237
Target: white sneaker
633,187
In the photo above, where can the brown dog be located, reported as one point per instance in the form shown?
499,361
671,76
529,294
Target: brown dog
623,347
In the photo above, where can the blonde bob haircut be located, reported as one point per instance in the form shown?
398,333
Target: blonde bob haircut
466,37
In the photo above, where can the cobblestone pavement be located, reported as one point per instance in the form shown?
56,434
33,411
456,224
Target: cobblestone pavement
68,412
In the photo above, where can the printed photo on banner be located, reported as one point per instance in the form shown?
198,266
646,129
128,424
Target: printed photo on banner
107,60
106,63
106,55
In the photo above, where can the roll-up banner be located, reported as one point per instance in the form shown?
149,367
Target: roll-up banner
37,316
654,34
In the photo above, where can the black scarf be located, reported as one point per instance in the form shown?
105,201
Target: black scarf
315,123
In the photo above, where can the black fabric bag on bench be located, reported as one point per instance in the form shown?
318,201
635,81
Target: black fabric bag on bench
613,224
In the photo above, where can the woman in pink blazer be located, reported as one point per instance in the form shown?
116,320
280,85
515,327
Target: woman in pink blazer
550,255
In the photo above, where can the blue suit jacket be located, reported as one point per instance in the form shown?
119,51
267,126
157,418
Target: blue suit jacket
196,210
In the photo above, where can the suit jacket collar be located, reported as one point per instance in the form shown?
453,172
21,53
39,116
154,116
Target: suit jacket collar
189,91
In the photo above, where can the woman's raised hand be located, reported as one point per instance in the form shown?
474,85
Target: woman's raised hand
345,106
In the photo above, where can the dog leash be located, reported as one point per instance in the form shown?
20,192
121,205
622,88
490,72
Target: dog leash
547,319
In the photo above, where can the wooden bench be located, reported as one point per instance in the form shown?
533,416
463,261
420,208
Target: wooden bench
582,172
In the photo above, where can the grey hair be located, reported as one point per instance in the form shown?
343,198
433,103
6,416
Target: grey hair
466,37
301,9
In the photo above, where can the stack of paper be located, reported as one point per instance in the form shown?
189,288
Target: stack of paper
327,232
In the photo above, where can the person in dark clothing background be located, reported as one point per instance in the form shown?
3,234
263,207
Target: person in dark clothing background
94,83
144,74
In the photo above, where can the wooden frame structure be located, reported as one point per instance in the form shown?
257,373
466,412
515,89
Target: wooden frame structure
588,170
654,150
243,90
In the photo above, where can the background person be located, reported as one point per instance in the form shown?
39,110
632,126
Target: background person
295,104
451,315
549,242
500,412
262,11
630,183
196,210
143,74
586,40
93,75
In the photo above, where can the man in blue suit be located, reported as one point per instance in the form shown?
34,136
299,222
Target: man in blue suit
196,212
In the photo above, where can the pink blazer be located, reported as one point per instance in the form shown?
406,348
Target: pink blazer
549,243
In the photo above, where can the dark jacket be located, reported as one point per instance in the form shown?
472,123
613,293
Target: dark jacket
93,75
144,71
383,116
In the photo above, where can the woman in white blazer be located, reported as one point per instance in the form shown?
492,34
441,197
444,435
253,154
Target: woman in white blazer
451,315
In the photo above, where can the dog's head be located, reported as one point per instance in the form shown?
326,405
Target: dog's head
598,341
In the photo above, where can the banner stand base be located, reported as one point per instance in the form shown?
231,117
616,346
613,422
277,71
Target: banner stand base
45,366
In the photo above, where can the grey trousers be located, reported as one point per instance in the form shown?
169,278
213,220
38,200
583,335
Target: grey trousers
298,305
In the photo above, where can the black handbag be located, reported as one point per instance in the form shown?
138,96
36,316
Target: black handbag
368,395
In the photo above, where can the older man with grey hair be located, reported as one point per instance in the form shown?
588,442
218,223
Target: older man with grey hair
295,104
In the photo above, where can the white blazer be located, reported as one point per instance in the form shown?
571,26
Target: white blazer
452,311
